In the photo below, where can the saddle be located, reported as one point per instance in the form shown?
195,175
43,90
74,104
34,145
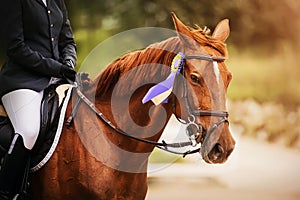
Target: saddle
50,115
49,110
53,110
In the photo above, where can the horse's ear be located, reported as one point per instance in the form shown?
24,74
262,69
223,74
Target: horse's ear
183,31
222,30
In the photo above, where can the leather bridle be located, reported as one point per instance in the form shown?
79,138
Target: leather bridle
192,114
195,131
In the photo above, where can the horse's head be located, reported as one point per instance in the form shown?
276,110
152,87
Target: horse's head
202,90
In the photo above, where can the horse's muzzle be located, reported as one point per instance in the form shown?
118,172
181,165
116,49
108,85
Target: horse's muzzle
217,145
217,154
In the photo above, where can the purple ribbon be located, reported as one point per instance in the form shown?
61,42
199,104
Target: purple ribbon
160,92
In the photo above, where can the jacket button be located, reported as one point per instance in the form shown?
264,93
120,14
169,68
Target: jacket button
52,39
51,25
49,11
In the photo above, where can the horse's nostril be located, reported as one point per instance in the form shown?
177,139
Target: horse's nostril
218,149
216,154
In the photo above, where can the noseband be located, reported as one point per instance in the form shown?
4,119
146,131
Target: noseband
191,123
193,136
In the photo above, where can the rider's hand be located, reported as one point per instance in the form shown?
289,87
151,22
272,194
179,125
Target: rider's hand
67,72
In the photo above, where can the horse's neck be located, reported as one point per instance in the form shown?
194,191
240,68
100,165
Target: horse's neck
131,116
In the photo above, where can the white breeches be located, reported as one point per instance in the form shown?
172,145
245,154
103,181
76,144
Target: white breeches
23,109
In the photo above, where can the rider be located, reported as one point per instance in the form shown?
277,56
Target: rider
39,46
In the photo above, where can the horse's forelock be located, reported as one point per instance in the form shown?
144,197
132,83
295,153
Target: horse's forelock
203,38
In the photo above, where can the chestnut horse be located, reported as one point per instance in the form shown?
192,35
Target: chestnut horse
94,161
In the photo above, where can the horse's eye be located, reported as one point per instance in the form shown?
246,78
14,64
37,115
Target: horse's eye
195,79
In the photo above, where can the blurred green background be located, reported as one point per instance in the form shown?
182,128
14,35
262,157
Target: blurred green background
263,50
263,44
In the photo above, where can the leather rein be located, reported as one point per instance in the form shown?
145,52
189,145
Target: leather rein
161,145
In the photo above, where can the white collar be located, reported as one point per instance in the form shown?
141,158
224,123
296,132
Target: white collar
45,2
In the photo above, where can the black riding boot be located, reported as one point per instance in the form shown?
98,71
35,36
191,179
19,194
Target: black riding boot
12,168
6,135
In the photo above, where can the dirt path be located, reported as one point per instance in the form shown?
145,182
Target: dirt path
256,170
